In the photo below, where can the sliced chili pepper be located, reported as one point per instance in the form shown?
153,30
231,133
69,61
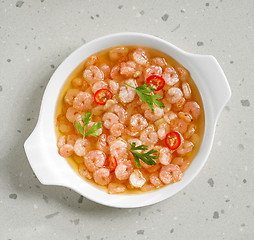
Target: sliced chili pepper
111,163
155,82
102,96
173,140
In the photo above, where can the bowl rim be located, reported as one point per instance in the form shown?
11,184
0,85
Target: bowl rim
123,201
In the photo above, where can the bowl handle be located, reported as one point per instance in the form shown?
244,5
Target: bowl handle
39,159
216,83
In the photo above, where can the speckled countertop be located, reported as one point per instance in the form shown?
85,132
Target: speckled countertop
36,36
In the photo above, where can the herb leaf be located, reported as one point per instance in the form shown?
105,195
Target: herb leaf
145,157
91,131
144,92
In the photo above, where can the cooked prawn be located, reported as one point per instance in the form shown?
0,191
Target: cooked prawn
155,180
186,90
83,101
148,136
99,85
116,188
153,70
137,179
192,108
140,56
109,119
170,76
120,112
81,146
153,116
185,147
83,171
93,74
159,62
137,123
70,95
170,173
95,159
174,95
66,150
118,149
102,176
127,94
117,129
118,53
124,170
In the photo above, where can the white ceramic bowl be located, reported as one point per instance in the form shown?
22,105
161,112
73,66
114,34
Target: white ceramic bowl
52,169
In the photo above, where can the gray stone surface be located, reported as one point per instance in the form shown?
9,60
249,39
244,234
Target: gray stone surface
36,36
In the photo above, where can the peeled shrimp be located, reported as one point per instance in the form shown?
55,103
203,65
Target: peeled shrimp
128,68
190,131
170,76
83,101
115,72
81,146
153,116
71,114
155,180
185,116
127,94
192,108
169,117
66,150
93,60
114,86
94,159
137,179
182,73
105,69
186,90
70,95
179,125
102,143
124,170
102,176
118,53
185,147
159,62
140,56
165,156
181,162
118,150
148,136
120,112
163,130
170,173
83,172
93,74
153,70
116,188
117,129
137,123
174,95
109,119
99,85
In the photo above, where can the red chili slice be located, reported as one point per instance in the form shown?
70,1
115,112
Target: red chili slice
102,96
173,140
112,163
155,82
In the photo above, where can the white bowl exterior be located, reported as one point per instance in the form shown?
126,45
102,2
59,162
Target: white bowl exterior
52,169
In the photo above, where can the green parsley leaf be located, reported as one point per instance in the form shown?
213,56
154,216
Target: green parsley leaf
91,131
146,157
144,92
